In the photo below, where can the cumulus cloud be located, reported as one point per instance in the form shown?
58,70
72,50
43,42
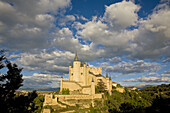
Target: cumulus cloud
133,67
153,36
13,56
130,80
41,80
165,75
115,60
66,20
152,73
149,79
92,29
47,62
149,40
121,14
114,43
83,18
26,25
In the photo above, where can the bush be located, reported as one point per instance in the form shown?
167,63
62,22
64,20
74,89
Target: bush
65,91
118,85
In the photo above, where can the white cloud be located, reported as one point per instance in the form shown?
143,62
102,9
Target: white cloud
121,14
13,56
165,75
150,40
83,18
115,60
26,24
46,62
71,18
92,29
130,80
149,79
65,32
45,75
133,67
41,80
152,73
66,20
44,20
153,36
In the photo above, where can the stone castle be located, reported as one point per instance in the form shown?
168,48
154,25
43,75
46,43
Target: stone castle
81,84
83,79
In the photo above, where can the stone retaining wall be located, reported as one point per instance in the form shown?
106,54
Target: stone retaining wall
53,99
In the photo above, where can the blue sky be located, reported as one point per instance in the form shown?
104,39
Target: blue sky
130,39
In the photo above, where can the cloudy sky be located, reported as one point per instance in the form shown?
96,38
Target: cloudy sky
129,39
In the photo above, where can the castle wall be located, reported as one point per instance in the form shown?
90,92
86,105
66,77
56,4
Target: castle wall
71,85
86,90
96,70
78,97
69,100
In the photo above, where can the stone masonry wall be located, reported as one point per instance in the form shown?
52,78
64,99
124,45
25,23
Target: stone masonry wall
71,85
52,100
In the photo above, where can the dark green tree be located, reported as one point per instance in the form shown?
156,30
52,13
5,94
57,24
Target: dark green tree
10,81
101,87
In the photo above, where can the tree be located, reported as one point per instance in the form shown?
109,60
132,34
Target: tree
38,101
101,87
126,107
9,83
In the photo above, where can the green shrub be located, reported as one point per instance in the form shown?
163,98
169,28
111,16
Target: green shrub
65,91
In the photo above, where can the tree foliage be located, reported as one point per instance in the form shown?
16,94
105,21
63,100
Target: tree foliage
149,100
101,87
38,101
65,91
10,81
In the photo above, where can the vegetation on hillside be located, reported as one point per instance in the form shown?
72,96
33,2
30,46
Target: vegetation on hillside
149,100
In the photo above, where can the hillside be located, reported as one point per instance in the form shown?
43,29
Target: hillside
155,99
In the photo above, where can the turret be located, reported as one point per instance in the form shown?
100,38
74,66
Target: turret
76,57
107,79
106,75
92,87
110,85
76,69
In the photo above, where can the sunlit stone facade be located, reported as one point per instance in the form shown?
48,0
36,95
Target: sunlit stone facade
82,78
